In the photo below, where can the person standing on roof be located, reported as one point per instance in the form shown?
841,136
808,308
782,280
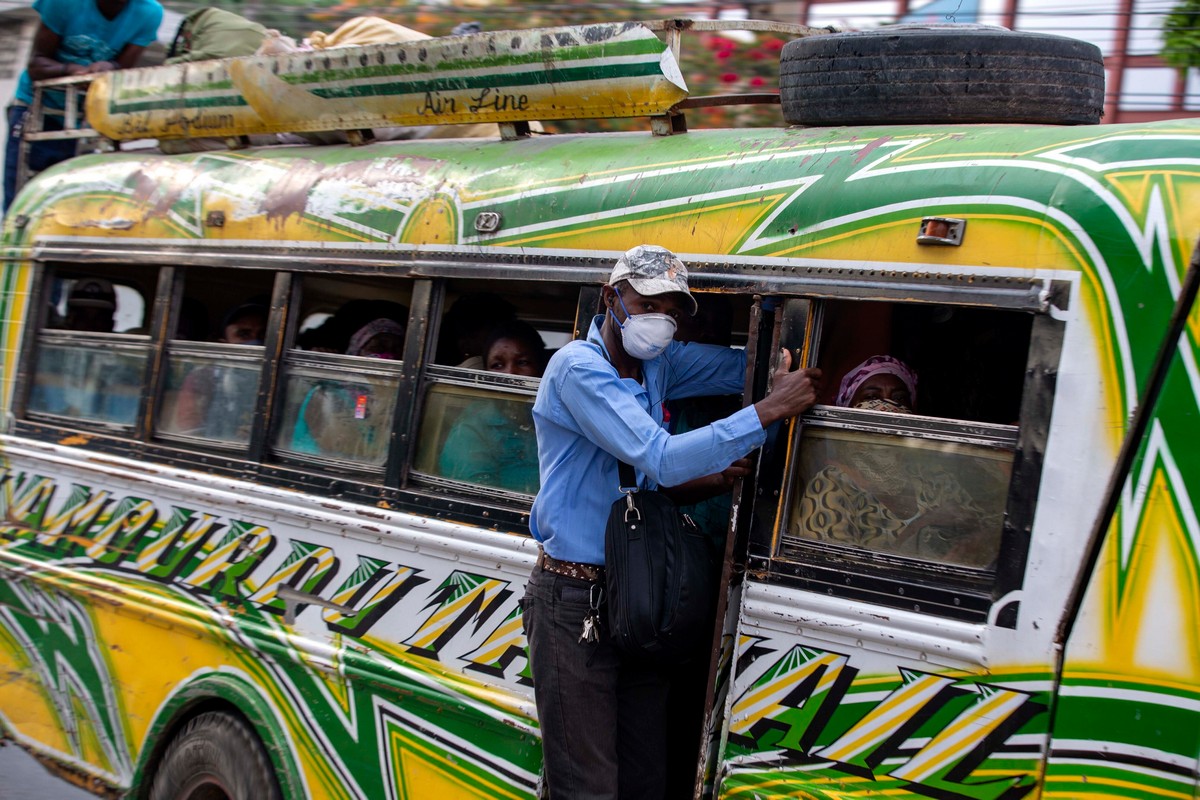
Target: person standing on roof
75,37
603,715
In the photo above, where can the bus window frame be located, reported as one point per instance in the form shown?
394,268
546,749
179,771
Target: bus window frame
357,366
1002,438
503,385
905,587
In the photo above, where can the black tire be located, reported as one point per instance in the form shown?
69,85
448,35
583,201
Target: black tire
941,73
215,756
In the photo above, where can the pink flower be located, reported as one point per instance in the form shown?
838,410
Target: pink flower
757,81
729,77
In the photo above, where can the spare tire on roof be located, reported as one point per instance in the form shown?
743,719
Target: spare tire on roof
940,73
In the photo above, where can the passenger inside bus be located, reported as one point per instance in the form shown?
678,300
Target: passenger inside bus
216,400
492,442
334,334
338,418
81,376
91,306
900,495
466,325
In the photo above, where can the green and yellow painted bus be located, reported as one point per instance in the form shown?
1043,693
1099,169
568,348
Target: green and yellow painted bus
207,591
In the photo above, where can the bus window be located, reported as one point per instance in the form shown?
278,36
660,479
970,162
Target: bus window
970,361
934,500
477,428
214,356
479,436
92,350
475,309
903,473
340,379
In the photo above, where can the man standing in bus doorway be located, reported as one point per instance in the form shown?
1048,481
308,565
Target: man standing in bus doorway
602,717
75,37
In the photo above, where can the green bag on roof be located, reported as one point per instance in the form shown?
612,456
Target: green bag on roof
214,33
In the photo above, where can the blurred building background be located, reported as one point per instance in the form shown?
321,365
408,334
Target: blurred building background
1141,86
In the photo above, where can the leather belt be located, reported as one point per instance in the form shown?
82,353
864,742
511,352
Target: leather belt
571,569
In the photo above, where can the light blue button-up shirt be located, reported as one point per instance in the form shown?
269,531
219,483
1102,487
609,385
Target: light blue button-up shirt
587,417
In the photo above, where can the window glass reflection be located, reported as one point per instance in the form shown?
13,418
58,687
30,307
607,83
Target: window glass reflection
330,416
209,396
479,436
931,500
90,383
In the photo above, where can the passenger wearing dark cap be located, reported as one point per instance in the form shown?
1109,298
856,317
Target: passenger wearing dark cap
602,714
245,324
90,306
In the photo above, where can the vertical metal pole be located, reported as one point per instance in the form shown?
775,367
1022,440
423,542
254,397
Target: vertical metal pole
1009,18
1116,63
283,295
163,320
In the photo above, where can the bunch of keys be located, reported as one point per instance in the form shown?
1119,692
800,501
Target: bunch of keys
591,622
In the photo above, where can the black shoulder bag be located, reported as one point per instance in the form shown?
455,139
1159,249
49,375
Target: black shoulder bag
661,586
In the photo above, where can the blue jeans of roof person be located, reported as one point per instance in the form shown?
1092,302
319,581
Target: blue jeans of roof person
586,415
41,154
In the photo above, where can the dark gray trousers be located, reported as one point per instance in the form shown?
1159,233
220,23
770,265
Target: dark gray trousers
602,716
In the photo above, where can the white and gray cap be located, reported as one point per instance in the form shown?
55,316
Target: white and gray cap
652,270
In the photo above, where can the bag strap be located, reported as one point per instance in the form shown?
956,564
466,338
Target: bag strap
627,477
628,487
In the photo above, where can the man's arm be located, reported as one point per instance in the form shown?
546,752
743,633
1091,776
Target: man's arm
43,61
128,57
44,64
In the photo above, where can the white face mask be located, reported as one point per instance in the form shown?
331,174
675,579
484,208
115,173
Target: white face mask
645,336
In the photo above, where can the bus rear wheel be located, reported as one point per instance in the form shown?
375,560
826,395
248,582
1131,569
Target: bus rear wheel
216,756
940,74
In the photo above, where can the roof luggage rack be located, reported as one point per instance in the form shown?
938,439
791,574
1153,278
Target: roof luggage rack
513,78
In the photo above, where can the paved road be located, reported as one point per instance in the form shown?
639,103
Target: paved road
23,778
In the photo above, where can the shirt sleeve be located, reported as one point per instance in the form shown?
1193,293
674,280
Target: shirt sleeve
610,415
147,32
704,369
54,14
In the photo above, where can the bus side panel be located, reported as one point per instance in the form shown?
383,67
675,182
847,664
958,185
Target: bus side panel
1128,716
16,279
388,649
834,697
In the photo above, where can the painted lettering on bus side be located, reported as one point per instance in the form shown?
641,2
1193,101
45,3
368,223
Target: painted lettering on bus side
65,531
373,588
503,646
122,535
462,598
307,568
226,564
200,552
184,533
791,706
490,100
436,104
20,494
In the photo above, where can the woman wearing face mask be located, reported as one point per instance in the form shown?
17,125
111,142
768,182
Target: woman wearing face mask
336,418
492,441
886,497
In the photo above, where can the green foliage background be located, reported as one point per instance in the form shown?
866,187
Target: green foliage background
1181,35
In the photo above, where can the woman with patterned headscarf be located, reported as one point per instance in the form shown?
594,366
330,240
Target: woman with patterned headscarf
886,497
881,383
